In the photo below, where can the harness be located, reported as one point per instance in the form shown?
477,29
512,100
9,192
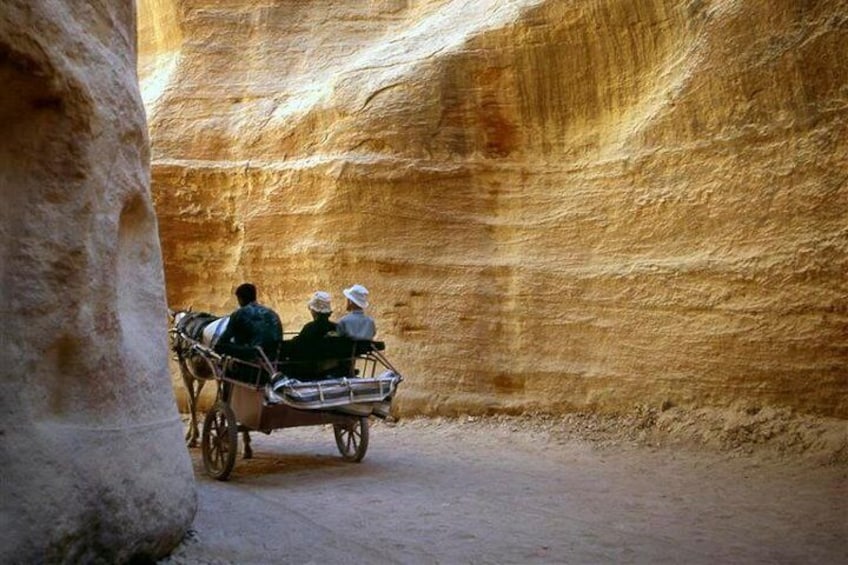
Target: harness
193,323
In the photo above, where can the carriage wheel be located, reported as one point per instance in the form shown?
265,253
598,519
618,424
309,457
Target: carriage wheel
352,439
219,441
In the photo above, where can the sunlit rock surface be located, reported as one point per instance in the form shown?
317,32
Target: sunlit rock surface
94,469
557,205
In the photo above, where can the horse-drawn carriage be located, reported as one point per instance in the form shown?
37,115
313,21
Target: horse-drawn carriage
352,381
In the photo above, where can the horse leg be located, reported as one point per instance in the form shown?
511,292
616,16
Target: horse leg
188,429
194,427
248,451
189,381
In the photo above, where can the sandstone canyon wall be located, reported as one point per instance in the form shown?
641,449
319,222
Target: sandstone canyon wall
557,205
93,462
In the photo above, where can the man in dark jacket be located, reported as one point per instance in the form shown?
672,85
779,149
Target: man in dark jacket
251,325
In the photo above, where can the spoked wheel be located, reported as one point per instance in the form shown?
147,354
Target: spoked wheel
352,439
219,441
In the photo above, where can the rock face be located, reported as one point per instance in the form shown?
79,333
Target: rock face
94,466
557,205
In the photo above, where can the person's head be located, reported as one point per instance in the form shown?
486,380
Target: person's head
246,293
320,305
357,297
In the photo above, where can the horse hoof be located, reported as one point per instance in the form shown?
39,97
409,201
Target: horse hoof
248,454
192,443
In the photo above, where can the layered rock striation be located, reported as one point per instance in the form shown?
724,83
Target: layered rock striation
556,205
94,466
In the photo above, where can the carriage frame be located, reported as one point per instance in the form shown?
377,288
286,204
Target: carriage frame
242,405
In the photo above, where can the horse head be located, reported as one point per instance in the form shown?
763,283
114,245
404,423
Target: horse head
175,316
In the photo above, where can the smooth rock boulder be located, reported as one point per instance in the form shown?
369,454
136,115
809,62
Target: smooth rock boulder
93,463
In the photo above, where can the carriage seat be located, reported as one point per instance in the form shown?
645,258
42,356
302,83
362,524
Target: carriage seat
329,356
365,346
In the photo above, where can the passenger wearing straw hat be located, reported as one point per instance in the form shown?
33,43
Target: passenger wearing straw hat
320,307
309,345
356,324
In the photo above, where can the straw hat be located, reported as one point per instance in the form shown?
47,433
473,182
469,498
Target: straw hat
320,302
357,294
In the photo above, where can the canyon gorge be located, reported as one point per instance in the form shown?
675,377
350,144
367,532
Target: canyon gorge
561,208
557,205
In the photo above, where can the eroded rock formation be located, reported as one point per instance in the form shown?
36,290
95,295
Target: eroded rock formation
557,205
94,466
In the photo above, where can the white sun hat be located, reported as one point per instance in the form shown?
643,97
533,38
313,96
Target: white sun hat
357,294
320,302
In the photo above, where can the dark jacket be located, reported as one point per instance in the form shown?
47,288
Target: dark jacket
251,325
307,344
316,329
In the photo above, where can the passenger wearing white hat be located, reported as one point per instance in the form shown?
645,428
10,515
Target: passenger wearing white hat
356,324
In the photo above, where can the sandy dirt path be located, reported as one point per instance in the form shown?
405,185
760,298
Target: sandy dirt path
495,492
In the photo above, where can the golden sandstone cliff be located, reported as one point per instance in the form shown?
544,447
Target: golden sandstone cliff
557,205
94,467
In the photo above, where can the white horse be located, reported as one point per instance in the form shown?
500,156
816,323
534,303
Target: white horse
196,369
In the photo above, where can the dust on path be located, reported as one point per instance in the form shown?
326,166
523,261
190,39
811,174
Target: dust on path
501,491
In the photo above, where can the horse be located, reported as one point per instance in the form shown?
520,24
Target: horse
196,369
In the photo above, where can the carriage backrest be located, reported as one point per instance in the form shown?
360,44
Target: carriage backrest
331,347
330,354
